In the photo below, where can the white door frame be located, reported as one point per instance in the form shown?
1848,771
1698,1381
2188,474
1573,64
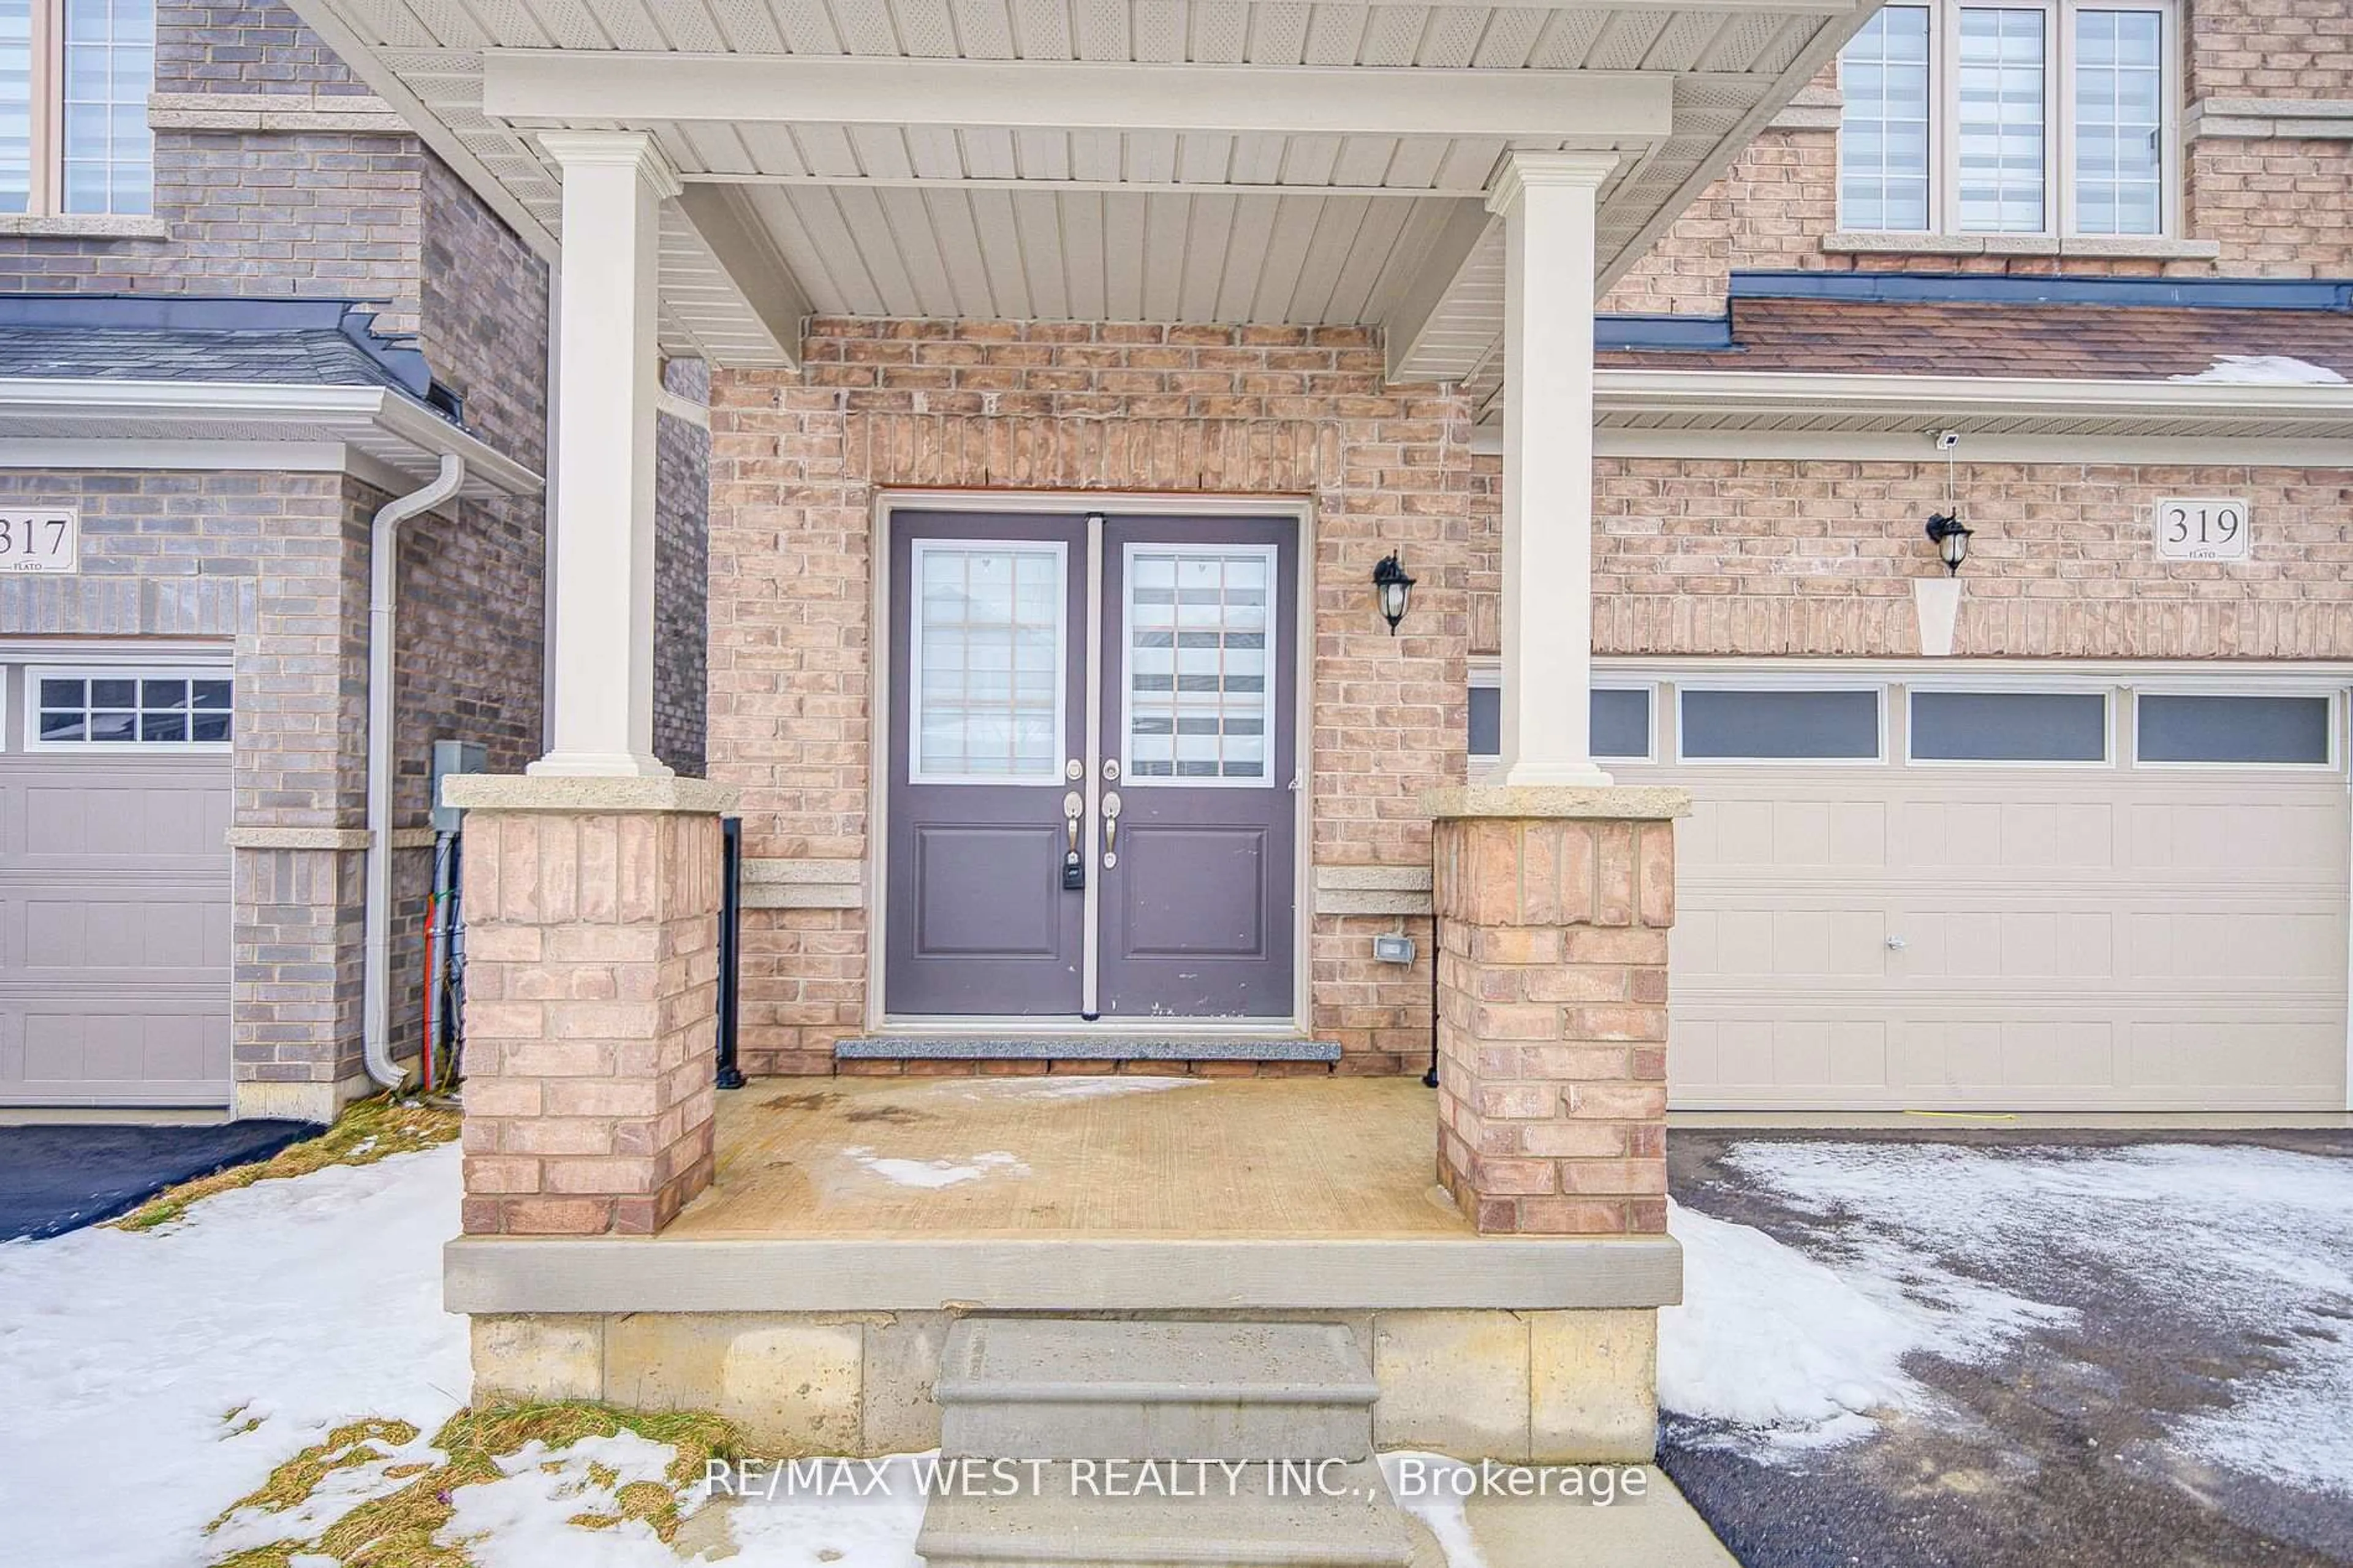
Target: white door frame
881,757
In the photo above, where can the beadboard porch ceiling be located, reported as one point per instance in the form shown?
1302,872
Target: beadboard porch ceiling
1076,160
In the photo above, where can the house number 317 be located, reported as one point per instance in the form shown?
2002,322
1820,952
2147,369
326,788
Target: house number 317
40,541
2201,529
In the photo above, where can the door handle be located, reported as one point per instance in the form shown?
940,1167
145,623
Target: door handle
1111,829
1075,865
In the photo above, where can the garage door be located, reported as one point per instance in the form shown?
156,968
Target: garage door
114,886
2000,891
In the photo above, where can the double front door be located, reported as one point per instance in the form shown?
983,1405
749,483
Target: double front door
1093,773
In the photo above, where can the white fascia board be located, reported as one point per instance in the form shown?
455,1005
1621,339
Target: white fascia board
572,85
345,414
1766,395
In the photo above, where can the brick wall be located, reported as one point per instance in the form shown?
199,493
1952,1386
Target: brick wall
1697,556
796,462
682,573
243,48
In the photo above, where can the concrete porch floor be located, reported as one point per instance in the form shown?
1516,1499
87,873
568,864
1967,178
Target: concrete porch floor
1077,1192
1080,1156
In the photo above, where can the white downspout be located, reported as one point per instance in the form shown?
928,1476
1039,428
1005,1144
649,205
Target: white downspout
384,603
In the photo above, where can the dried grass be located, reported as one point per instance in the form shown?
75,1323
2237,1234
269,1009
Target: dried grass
368,1131
397,1530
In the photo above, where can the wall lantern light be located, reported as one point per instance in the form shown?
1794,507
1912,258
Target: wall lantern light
1946,531
1393,588
1950,535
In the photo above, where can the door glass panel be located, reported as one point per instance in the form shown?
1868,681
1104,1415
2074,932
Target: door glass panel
989,662
1200,680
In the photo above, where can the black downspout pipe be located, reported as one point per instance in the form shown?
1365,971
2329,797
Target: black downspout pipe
731,923
1430,1078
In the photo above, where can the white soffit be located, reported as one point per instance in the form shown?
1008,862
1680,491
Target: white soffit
1178,160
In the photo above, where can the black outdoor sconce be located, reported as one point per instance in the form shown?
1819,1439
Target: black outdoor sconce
1950,535
1393,588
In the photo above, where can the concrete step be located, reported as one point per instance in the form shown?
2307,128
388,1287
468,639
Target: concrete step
1268,1518
1045,1388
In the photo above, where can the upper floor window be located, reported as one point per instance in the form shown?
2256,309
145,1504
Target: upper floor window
74,80
2033,117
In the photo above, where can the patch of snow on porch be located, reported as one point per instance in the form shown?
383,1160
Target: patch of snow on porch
155,1379
2264,370
938,1173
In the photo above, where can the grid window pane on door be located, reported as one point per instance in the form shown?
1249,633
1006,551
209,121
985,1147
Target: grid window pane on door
1200,687
2002,120
132,709
2119,89
989,662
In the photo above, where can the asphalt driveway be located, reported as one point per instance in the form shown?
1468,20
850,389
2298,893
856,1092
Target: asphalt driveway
57,1178
1982,1350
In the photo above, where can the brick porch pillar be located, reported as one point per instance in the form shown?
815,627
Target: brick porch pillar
592,992
1554,905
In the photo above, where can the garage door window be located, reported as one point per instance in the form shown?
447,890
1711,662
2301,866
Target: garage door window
2280,730
1621,723
131,708
2010,727
1777,726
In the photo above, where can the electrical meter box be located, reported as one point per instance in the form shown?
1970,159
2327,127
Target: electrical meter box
453,757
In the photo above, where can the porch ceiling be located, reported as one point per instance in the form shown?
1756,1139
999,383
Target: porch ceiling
1173,160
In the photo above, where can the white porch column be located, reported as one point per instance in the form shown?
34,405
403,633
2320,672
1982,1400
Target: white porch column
1546,201
602,655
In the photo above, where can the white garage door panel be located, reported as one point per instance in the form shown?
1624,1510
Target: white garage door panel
2069,938
114,929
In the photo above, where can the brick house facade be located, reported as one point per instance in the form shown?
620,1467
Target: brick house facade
277,174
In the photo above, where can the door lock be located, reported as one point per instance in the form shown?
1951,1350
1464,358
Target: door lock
1111,829
1075,865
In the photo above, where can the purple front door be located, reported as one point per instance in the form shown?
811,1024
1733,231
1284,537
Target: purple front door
1093,743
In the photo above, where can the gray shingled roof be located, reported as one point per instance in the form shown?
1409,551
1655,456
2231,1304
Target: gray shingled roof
268,343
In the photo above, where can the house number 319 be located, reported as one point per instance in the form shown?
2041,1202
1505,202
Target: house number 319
2201,529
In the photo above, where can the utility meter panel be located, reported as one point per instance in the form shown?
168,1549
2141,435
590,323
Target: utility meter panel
453,757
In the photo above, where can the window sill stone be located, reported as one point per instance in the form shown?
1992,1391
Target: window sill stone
83,226
2117,247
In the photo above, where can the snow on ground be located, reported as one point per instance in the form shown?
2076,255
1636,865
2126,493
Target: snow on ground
153,1379
2264,370
2256,1242
936,1172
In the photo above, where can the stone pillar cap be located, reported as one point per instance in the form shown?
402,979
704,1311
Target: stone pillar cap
1613,803
589,796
